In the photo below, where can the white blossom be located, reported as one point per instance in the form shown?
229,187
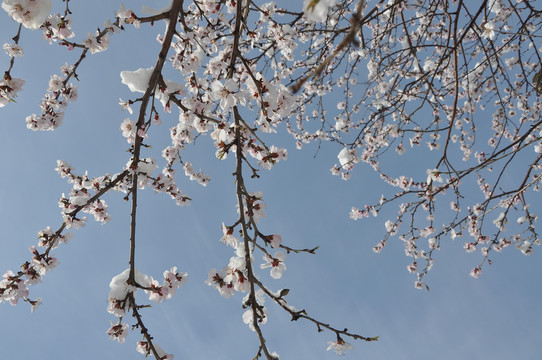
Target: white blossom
30,13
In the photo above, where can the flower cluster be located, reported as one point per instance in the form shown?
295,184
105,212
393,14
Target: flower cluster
30,13
13,50
173,280
253,206
118,332
9,88
59,94
15,285
58,28
233,277
125,285
259,308
13,288
127,16
81,197
97,42
200,177
144,168
408,72
268,159
122,288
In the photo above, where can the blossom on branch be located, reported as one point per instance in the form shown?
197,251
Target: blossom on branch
225,93
9,88
276,263
13,50
340,346
30,13
228,237
118,332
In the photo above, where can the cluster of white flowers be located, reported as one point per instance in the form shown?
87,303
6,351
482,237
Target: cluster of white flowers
13,288
96,42
200,177
233,277
79,198
59,94
273,156
253,206
248,315
30,13
57,28
120,288
145,168
395,90
9,88
13,50
126,16
119,301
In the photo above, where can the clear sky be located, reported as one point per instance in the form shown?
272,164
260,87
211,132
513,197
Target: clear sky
497,316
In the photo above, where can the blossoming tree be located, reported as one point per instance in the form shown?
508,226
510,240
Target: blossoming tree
457,82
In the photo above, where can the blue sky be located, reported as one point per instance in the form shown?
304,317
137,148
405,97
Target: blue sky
495,317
